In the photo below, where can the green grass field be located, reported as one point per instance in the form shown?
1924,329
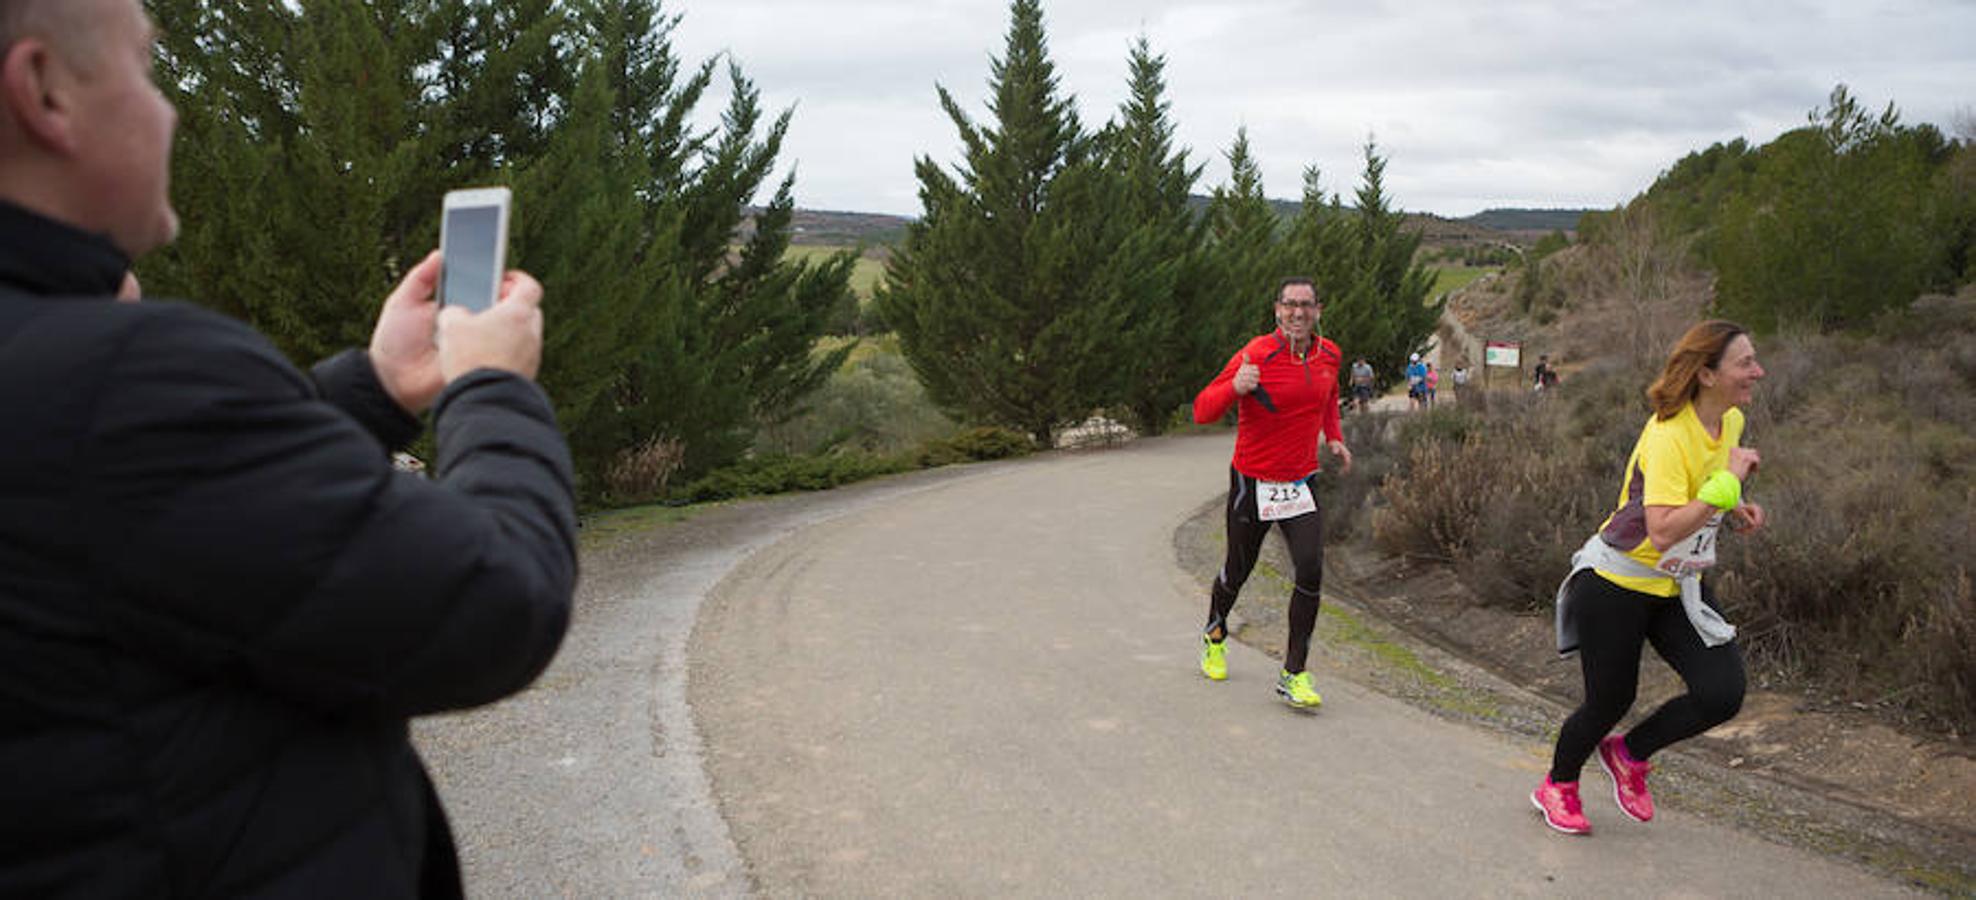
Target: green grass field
865,274
1450,278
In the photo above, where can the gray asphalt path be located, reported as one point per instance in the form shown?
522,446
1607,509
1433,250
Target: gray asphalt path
591,784
988,688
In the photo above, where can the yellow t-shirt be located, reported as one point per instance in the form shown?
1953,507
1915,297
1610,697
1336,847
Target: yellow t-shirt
1667,468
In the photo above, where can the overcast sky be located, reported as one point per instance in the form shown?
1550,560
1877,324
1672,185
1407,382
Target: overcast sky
1476,105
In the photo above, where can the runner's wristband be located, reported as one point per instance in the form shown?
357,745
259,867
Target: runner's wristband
1721,490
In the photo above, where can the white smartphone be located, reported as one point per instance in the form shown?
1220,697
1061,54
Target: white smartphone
473,247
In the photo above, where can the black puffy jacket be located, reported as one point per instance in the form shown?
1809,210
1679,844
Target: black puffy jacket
219,604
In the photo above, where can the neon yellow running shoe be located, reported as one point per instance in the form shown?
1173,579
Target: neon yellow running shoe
1214,660
1296,690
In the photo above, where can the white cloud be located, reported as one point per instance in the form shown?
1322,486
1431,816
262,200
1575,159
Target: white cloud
1513,104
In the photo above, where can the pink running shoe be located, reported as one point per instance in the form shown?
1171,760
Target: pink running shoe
1629,779
1560,806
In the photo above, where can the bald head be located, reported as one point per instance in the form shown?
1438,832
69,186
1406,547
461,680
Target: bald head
85,136
70,25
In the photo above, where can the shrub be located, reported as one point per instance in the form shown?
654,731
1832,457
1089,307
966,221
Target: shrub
780,474
973,444
1373,438
872,404
934,454
772,473
1861,583
992,443
1500,499
640,474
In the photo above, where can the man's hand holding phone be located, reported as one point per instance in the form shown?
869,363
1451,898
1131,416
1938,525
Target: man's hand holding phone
418,347
507,337
459,309
401,346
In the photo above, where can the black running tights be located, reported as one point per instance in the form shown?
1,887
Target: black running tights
1613,624
1305,536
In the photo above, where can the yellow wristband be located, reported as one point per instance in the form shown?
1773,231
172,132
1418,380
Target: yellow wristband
1721,490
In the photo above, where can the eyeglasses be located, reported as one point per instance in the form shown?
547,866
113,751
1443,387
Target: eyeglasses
1300,304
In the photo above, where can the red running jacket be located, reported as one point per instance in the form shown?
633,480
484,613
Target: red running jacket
1278,425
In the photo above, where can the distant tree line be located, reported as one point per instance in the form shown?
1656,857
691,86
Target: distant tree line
1475,255
318,137
1825,227
1057,270
1525,219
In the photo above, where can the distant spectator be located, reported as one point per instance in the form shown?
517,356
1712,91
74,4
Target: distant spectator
1416,381
1544,377
1362,384
1432,381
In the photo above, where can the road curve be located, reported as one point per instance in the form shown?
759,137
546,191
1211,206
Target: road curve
988,687
590,783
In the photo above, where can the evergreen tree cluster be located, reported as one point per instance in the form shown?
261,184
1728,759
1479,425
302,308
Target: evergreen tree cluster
1828,225
1057,271
318,137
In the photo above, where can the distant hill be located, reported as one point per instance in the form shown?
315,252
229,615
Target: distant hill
833,228
1527,219
1522,227
1285,209
817,227
1516,226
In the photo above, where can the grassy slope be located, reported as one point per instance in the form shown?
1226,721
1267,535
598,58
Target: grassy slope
1453,278
865,274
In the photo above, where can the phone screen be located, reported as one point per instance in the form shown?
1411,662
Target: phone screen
473,235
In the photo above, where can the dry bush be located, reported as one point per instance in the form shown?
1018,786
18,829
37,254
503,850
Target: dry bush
1373,438
874,403
1862,582
1429,512
640,475
1796,371
1494,495
1859,584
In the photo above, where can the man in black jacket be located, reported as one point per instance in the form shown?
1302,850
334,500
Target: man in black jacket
219,605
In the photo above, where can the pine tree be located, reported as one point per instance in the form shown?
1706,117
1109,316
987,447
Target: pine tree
316,141
762,311
700,343
1838,223
1160,273
992,294
607,269
1378,307
319,138
1319,245
1246,247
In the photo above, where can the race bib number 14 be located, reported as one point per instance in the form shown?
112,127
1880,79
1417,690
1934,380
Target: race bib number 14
1283,500
1694,554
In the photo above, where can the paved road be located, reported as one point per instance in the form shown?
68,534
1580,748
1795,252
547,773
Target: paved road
988,688
980,681
590,784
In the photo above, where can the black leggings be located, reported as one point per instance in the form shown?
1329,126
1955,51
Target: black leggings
1304,534
1613,623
